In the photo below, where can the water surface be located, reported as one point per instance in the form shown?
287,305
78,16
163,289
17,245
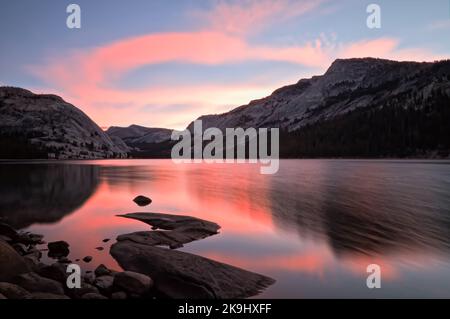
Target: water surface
314,226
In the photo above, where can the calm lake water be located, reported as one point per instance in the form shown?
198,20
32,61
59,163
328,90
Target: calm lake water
314,226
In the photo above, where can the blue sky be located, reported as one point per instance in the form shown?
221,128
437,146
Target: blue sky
164,63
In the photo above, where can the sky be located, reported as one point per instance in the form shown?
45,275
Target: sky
160,63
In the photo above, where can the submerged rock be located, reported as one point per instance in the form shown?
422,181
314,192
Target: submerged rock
142,201
182,275
11,263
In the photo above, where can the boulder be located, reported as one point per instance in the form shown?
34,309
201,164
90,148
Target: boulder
182,275
35,283
58,249
55,271
177,230
104,284
133,283
85,288
102,270
173,222
2,297
12,291
142,201
11,263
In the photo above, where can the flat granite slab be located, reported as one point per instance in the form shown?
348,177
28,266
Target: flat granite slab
182,275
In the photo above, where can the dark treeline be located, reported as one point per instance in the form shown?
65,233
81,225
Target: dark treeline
384,131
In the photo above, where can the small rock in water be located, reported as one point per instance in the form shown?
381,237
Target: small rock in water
87,259
133,283
58,249
142,200
106,240
99,248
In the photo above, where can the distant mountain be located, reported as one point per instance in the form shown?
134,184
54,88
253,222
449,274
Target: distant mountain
136,134
143,141
358,108
45,126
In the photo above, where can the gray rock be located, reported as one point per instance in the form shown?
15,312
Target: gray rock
35,283
104,284
58,249
142,200
173,222
11,263
58,124
102,270
89,278
56,271
12,291
132,282
182,275
178,230
85,288
93,296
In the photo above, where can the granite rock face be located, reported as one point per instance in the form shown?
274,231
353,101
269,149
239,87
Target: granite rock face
11,263
46,126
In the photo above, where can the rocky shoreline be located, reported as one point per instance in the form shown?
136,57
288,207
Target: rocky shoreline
152,267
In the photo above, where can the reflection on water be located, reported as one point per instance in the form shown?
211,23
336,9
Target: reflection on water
314,226
44,193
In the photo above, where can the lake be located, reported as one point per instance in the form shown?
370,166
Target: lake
315,226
